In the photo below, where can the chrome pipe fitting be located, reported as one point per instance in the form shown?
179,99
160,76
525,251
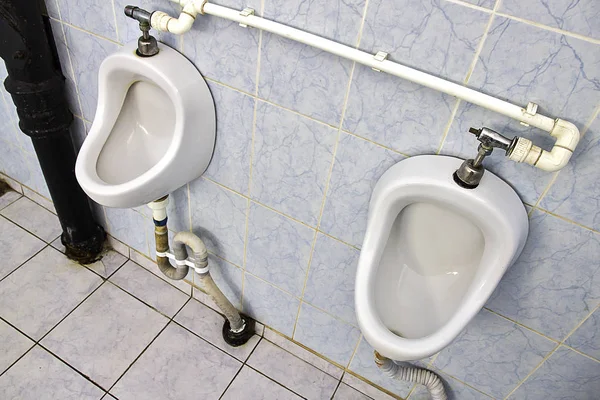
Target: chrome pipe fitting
147,44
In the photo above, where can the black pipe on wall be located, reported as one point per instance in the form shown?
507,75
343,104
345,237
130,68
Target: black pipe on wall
36,84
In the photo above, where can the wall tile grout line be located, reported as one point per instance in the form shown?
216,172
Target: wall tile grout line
469,73
70,25
558,345
549,28
532,371
70,67
114,12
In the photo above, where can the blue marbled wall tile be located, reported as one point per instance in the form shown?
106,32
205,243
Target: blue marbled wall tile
65,63
96,16
580,16
557,72
230,165
13,162
436,36
87,53
36,179
128,28
396,113
331,278
303,78
224,51
129,227
8,117
14,133
219,218
565,375
78,133
330,337
493,354
576,192
9,124
482,3
363,363
528,182
337,20
455,390
270,305
292,159
278,249
52,8
552,286
358,166
586,338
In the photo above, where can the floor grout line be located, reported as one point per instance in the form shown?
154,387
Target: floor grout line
148,346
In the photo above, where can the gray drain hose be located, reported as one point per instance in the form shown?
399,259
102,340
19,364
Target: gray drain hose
207,283
430,380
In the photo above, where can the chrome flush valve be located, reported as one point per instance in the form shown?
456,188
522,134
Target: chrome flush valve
147,45
469,174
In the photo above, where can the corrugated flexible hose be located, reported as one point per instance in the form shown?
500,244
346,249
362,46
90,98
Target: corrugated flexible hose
429,379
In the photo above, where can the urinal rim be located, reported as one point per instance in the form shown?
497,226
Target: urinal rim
410,177
125,64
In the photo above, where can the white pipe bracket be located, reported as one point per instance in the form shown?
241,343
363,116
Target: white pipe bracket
180,263
380,56
531,109
246,12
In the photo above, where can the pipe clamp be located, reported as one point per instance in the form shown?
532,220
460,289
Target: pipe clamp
246,12
381,56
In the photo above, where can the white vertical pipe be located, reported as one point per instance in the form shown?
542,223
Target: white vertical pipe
390,67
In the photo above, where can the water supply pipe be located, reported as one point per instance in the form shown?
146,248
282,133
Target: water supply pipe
422,376
566,133
237,329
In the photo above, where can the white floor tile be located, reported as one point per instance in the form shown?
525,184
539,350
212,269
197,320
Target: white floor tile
249,384
13,345
149,288
35,218
105,334
16,246
178,366
40,375
345,392
9,198
304,354
44,290
208,324
292,372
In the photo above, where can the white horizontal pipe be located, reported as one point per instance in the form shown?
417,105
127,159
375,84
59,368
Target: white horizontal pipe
566,133
392,68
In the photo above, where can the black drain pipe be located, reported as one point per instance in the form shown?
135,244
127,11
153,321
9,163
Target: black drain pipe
36,84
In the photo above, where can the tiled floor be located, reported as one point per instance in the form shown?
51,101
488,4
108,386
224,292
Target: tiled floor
114,329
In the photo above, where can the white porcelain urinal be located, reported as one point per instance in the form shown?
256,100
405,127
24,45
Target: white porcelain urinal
433,254
154,128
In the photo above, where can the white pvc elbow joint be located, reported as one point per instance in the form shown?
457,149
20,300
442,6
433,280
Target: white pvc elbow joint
567,138
162,21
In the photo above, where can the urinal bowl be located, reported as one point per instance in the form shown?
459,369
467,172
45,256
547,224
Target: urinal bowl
153,131
432,255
